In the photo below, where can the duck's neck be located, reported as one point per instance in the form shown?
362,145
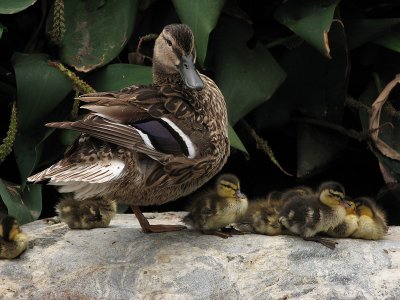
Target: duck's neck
162,76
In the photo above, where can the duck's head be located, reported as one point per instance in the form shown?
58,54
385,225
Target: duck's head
228,186
364,206
175,54
351,209
332,194
9,228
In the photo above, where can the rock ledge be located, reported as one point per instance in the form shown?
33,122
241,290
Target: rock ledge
121,262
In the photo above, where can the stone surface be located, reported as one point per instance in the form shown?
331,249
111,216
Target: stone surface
121,262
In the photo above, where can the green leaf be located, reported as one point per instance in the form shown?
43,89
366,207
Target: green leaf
235,140
95,34
40,88
116,76
15,204
27,151
201,16
390,41
246,77
14,6
310,20
32,198
316,148
361,31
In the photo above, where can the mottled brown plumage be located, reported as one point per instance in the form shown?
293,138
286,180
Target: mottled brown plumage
148,145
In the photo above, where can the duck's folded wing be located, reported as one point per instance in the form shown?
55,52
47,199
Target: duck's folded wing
99,171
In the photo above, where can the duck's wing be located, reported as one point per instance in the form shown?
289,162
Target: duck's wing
160,122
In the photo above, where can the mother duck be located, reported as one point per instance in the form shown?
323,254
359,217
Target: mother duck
147,145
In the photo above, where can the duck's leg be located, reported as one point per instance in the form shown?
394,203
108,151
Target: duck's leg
327,243
232,231
147,228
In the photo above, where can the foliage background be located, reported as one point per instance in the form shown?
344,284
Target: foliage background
299,76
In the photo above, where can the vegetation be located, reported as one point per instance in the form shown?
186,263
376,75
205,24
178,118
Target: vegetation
300,79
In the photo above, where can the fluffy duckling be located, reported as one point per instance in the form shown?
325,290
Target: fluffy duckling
372,220
260,218
12,240
308,215
349,224
219,207
262,215
86,214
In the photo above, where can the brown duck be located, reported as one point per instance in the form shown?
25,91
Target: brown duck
147,145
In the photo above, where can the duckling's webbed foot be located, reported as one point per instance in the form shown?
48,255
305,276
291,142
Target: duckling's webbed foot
327,243
148,228
232,231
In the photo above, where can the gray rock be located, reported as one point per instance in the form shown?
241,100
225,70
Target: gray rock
121,262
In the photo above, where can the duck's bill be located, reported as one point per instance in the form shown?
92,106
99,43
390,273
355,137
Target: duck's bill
346,204
189,73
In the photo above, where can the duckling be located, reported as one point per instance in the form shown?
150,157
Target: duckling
262,215
219,207
260,218
86,214
372,220
308,215
12,240
349,224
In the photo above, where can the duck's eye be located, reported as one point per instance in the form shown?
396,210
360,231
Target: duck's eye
169,42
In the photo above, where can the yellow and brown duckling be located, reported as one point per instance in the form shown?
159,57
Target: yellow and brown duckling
349,224
86,214
217,208
372,221
12,240
262,215
308,215
260,218
148,145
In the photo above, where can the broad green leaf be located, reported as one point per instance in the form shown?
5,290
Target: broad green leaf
28,150
32,198
95,34
361,31
235,140
201,16
316,148
15,204
14,6
246,77
310,20
40,88
390,41
117,76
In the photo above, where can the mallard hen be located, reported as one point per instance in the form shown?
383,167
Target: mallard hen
219,207
147,145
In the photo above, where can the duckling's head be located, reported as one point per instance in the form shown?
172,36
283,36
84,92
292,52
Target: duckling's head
9,228
364,206
228,186
332,194
351,208
175,54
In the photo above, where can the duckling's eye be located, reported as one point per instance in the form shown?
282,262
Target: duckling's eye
169,42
